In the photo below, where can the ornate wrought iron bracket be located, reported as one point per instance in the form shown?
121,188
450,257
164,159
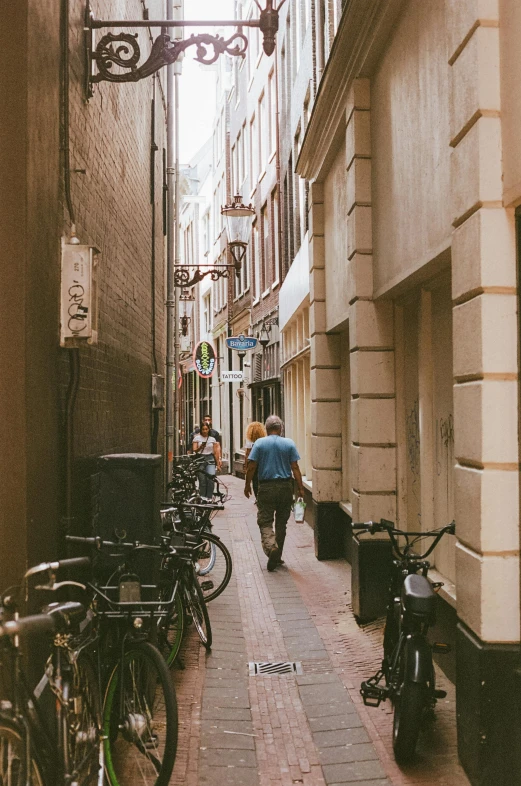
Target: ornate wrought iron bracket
117,55
184,278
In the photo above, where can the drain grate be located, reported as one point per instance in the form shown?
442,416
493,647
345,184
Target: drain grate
259,668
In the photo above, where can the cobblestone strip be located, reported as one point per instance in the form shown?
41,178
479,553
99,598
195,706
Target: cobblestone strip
227,753
345,752
285,750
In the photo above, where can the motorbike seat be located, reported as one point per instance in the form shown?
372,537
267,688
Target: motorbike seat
418,597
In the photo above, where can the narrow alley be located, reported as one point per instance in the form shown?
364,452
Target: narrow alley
312,728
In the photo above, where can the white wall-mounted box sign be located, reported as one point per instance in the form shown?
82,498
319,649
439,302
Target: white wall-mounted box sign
78,307
232,376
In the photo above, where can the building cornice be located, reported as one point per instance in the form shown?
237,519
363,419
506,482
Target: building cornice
360,39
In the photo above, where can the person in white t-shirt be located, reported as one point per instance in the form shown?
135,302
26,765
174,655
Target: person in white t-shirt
207,446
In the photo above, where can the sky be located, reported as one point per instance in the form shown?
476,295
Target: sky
197,83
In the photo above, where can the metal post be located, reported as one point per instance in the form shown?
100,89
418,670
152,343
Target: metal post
171,315
177,343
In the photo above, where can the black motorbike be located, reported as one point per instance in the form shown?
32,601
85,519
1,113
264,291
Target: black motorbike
407,676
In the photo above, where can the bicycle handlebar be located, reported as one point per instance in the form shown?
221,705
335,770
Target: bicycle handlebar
37,623
99,544
73,562
388,526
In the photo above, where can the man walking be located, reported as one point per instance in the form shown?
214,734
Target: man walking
277,459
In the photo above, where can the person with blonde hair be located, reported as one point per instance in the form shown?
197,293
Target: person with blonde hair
254,432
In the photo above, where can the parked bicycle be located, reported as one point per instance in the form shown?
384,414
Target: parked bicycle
49,742
139,714
407,666
189,523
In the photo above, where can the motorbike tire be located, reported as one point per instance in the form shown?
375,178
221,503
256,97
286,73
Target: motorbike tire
409,705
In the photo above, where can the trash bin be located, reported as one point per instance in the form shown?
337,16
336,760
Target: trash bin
130,493
370,576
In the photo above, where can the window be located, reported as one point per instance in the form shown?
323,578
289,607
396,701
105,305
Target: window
206,233
263,133
254,152
272,114
233,174
297,390
275,273
266,248
207,314
241,151
256,261
297,36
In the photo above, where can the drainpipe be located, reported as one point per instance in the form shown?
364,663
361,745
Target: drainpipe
172,346
177,258
74,354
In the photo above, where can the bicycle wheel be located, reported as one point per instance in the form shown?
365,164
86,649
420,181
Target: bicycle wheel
206,557
197,607
408,710
170,632
215,580
140,720
12,757
83,724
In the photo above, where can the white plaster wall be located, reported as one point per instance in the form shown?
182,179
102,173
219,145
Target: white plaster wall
510,46
410,132
295,288
335,231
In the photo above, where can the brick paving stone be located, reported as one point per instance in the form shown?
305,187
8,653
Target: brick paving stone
329,710
352,772
222,740
229,776
334,722
377,782
234,758
325,739
210,712
347,753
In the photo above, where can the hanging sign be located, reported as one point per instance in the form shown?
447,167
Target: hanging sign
204,359
232,376
241,342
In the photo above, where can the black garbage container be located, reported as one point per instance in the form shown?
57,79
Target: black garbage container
370,576
129,497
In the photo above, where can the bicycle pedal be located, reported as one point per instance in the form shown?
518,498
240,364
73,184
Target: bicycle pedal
440,694
441,648
206,585
372,694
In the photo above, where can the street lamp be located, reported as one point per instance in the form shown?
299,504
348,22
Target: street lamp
186,304
117,55
264,338
238,218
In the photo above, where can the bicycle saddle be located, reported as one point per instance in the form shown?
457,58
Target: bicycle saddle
418,597
67,614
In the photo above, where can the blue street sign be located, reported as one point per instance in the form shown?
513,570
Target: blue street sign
241,342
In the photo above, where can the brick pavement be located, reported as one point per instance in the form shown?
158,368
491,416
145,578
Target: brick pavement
279,730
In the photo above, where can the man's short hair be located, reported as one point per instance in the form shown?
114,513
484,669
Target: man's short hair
207,417
274,423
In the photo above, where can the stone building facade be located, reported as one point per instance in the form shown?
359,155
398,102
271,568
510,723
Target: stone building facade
414,173
62,408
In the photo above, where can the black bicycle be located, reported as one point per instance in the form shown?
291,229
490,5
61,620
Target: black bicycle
139,713
49,740
189,524
407,666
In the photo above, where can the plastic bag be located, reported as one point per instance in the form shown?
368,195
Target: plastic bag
299,508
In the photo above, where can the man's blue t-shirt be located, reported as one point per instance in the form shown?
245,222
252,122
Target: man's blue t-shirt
274,456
